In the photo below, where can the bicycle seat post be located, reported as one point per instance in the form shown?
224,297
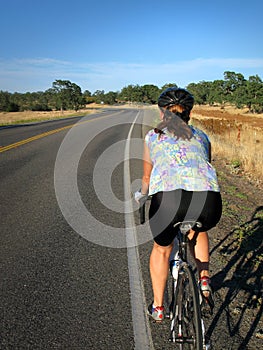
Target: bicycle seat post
184,229
183,240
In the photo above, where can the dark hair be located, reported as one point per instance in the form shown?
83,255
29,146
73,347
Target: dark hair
175,119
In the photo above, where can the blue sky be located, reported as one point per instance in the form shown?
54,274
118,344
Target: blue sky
106,45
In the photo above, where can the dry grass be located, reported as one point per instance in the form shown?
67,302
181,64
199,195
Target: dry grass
227,109
238,139
242,148
27,116
7,118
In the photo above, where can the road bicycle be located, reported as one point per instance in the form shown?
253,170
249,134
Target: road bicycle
187,327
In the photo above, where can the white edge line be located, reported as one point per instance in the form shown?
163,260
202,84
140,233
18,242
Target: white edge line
141,327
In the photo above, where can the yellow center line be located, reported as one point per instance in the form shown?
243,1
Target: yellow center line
39,136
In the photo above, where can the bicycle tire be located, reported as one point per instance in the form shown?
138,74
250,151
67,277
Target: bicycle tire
186,326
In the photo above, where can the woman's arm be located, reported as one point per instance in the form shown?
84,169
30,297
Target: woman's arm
147,169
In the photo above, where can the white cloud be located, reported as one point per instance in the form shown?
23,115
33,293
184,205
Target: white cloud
39,73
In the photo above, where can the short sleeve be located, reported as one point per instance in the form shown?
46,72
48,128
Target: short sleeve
148,137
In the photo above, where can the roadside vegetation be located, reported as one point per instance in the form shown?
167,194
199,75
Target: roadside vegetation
65,95
237,138
9,118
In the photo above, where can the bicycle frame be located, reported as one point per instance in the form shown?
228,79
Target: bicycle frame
178,285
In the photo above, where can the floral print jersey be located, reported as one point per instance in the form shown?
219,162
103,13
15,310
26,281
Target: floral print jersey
180,164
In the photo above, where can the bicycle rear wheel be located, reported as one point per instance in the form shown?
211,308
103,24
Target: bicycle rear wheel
186,327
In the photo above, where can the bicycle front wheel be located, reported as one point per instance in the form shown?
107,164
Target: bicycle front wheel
187,327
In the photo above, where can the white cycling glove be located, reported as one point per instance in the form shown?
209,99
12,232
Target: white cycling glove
138,195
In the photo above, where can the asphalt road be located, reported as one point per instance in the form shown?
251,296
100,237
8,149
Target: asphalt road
62,288
73,257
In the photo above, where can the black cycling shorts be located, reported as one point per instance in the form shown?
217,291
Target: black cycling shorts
168,208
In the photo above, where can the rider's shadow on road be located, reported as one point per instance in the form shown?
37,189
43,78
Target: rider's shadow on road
241,277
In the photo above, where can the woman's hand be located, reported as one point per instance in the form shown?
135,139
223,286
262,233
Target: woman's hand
138,196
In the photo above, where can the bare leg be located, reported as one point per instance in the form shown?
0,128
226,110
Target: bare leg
159,269
199,246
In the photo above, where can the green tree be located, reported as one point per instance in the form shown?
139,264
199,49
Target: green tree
216,92
4,100
51,97
76,97
88,97
7,103
39,101
87,93
131,93
254,94
110,98
200,91
150,93
68,95
20,100
62,93
233,81
98,96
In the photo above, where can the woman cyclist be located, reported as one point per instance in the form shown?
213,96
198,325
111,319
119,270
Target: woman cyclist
183,184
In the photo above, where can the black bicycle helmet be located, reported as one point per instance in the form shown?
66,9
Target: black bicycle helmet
176,96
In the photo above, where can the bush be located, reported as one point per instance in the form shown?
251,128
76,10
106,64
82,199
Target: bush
12,107
40,108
